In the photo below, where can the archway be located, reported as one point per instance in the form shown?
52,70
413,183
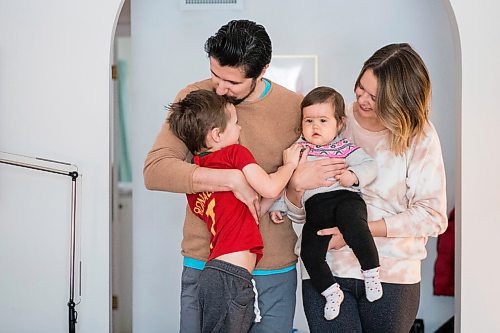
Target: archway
349,54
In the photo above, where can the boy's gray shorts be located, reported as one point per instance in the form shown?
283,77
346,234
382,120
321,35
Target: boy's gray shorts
226,296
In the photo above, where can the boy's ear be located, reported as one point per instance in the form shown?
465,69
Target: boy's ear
213,135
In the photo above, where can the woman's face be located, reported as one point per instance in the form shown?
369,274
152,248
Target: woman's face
366,95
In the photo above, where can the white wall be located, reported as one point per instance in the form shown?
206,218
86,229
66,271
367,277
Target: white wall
54,103
167,53
479,29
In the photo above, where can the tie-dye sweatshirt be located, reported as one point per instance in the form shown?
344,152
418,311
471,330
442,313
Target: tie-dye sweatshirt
409,193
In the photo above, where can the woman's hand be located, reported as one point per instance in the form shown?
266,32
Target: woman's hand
337,242
378,228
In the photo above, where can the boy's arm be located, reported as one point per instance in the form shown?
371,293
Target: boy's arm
268,185
266,204
271,185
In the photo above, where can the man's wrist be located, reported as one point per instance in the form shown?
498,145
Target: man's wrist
234,179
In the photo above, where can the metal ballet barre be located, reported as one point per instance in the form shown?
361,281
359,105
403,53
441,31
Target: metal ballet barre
45,165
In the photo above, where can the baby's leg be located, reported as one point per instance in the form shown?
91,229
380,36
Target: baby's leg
373,287
319,215
351,218
334,297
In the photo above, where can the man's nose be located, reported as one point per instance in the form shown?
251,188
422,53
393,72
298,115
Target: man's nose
221,88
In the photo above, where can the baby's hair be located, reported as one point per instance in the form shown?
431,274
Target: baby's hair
321,95
191,118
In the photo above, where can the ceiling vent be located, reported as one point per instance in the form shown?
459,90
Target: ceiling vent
211,4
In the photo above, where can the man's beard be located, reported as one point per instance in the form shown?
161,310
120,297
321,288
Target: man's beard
236,101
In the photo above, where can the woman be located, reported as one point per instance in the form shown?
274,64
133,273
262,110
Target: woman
406,203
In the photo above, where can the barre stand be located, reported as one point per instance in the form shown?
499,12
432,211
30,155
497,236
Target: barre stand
73,173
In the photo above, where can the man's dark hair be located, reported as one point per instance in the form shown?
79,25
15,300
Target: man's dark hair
195,115
241,43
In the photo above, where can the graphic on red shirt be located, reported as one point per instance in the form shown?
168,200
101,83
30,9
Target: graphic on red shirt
231,225
204,208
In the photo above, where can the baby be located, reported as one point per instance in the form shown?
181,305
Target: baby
339,205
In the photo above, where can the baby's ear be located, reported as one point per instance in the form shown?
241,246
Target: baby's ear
341,124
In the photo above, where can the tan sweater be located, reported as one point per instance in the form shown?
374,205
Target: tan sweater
269,126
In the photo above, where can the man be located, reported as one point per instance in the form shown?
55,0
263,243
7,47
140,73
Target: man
269,116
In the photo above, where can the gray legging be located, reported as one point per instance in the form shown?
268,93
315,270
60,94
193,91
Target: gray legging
395,312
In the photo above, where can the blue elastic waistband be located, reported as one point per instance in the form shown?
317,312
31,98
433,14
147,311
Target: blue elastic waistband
199,265
194,263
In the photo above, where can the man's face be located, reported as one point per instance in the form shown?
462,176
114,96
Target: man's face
231,82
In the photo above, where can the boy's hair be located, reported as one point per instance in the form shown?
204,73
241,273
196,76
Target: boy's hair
321,95
195,115
241,43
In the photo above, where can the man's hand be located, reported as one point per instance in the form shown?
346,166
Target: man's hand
337,242
246,194
317,173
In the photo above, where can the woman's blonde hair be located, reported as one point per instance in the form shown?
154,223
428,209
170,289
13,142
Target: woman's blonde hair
403,94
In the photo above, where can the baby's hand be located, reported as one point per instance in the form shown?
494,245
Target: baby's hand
347,178
292,154
276,217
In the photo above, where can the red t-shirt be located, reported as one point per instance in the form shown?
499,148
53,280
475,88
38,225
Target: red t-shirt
230,223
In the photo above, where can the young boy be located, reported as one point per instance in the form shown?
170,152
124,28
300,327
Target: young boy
339,205
207,124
